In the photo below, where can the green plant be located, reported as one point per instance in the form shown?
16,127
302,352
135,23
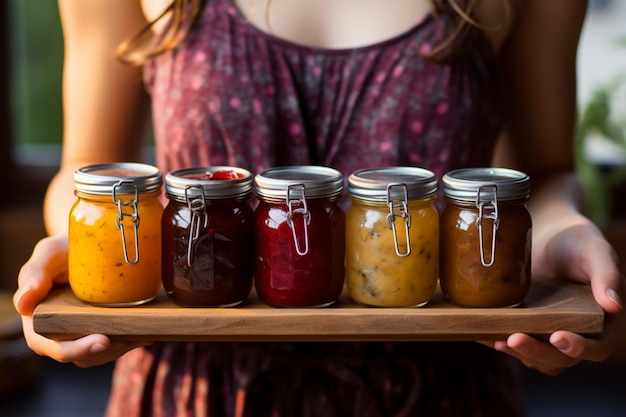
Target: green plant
604,116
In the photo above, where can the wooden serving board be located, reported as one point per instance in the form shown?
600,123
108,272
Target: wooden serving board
549,306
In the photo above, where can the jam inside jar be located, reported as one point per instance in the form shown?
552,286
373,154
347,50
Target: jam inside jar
207,226
486,234
114,236
300,236
392,237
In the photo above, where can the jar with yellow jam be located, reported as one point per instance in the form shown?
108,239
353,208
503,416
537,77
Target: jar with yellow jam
485,237
115,234
392,237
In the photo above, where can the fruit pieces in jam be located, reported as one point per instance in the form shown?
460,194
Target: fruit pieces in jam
465,280
220,271
375,274
285,278
98,272
221,175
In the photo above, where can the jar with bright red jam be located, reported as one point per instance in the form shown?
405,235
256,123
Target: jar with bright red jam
300,236
208,245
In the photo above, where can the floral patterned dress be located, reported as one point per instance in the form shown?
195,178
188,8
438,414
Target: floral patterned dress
232,94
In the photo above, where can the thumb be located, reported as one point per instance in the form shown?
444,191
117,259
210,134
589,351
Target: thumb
600,266
46,267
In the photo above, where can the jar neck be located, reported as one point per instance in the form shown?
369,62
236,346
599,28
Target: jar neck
283,201
381,203
210,201
472,203
108,198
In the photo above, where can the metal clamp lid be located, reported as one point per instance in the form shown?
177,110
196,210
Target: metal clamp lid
126,178
372,184
464,184
318,181
184,183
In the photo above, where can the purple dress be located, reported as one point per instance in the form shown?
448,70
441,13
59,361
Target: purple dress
234,95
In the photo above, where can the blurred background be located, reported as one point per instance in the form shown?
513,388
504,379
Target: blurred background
31,52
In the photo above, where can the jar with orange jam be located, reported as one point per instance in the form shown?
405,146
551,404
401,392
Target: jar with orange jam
486,237
392,237
115,234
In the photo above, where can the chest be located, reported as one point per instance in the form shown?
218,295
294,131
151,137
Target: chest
336,24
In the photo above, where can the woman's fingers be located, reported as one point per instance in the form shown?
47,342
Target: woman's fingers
47,267
563,349
91,350
534,353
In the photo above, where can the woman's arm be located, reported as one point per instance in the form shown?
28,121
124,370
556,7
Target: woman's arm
539,61
104,104
105,110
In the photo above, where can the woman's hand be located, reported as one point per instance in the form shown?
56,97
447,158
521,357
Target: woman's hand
579,252
46,268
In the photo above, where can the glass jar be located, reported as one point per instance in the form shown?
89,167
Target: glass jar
392,237
486,237
115,234
208,238
300,233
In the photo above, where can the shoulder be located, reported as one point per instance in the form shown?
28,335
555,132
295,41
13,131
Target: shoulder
503,20
99,24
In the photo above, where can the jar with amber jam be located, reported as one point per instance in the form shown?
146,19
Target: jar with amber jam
392,237
208,236
115,234
486,237
300,236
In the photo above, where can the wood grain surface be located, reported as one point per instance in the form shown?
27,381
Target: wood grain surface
549,306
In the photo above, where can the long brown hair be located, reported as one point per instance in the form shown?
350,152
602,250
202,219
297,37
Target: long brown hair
184,13
461,12
145,44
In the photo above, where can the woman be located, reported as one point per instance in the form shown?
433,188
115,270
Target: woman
351,84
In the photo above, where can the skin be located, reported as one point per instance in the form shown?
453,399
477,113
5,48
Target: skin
536,42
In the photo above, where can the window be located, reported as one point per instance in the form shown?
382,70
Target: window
36,60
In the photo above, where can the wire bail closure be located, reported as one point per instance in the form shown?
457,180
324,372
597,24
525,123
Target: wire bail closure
404,214
298,191
199,218
134,215
487,210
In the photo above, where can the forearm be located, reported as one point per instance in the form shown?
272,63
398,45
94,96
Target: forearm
59,200
556,197
556,205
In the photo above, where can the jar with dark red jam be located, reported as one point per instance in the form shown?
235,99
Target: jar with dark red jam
208,236
485,237
300,236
